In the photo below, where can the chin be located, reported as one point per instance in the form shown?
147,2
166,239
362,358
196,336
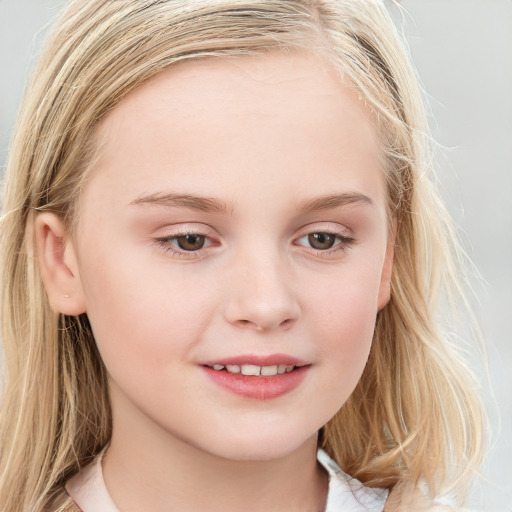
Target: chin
260,446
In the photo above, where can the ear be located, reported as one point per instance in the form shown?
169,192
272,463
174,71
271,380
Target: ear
58,265
387,270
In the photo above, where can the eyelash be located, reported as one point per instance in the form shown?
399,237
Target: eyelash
166,243
341,243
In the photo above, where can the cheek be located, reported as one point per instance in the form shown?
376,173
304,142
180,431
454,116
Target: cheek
347,303
143,319
344,319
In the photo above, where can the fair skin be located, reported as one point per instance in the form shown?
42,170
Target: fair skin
288,256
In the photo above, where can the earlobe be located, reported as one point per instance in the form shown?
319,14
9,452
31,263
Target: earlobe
58,265
387,270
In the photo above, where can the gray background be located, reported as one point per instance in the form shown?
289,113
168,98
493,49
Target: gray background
463,52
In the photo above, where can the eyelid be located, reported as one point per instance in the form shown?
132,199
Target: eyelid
342,234
333,228
344,237
165,241
345,240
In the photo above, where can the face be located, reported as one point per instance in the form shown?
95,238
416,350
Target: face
235,224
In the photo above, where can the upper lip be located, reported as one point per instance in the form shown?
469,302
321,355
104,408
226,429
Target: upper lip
258,360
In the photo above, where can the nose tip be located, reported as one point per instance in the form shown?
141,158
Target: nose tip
262,301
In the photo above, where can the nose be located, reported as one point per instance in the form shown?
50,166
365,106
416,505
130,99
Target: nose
262,295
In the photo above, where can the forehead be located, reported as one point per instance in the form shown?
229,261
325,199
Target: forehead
213,119
206,91
235,80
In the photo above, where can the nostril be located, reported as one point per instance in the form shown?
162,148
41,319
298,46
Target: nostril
251,324
258,327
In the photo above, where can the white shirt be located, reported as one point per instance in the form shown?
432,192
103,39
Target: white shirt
346,494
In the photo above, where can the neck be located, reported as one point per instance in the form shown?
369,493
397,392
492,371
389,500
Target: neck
146,468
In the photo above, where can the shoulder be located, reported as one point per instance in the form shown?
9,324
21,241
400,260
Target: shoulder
62,502
348,493
405,499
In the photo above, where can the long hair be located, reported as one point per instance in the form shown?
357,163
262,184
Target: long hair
412,417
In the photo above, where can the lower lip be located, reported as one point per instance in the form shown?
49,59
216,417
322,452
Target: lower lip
259,388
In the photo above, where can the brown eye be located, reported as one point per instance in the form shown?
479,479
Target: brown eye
321,241
191,242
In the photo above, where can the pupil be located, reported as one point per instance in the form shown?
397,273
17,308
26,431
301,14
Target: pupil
321,240
191,242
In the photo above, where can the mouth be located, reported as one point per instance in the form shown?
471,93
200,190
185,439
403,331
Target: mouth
255,370
258,377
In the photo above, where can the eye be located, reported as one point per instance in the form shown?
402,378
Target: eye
191,242
325,242
321,241
186,243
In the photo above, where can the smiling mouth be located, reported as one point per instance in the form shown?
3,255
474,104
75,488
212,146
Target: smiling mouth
254,370
258,377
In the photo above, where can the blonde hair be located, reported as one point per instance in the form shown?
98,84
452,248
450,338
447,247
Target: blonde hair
413,416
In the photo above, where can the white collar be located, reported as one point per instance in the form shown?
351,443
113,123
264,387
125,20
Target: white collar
87,489
346,494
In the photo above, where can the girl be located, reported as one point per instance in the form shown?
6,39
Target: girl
222,263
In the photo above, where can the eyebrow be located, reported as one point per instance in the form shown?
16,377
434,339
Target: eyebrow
332,201
188,201
212,205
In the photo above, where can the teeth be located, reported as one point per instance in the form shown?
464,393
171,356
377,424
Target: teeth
269,370
252,369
